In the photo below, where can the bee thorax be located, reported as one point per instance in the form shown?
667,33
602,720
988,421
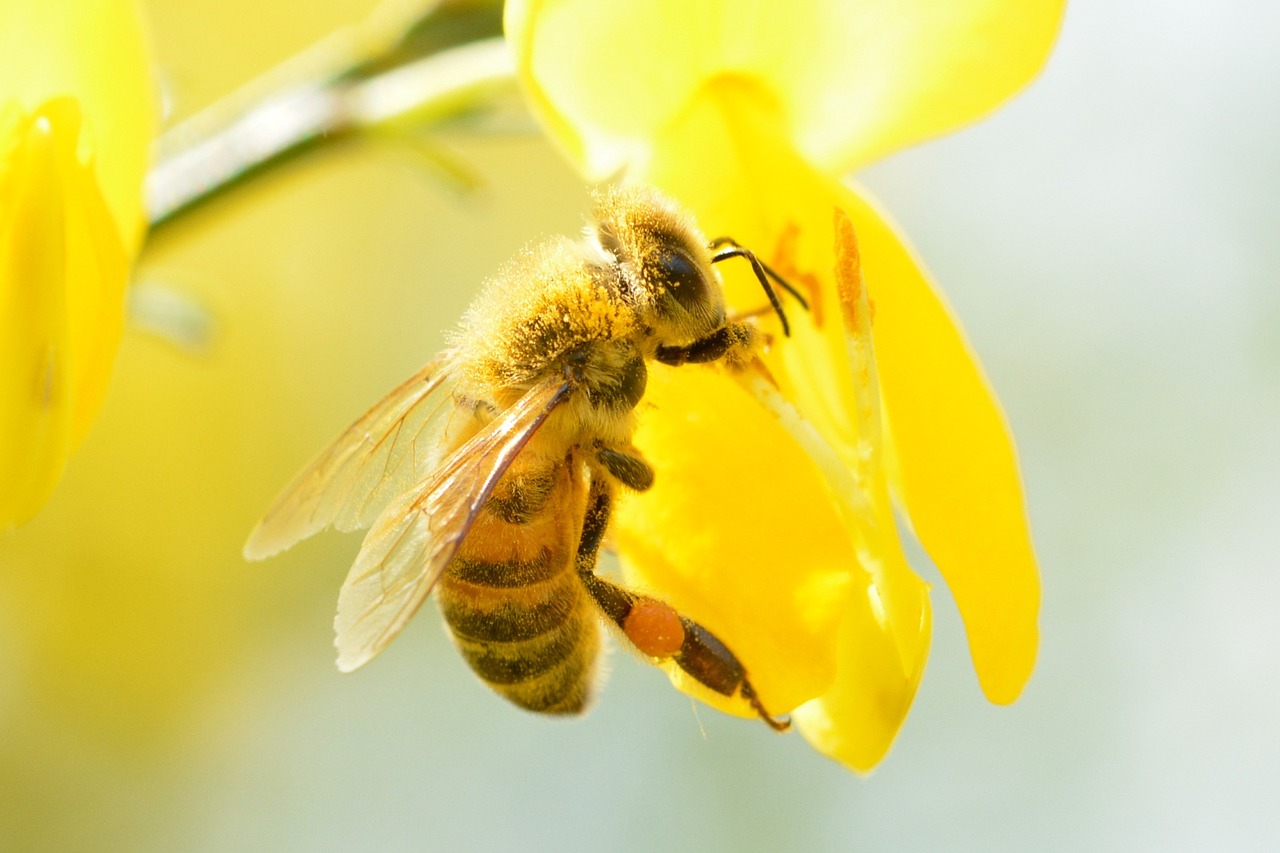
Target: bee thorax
618,386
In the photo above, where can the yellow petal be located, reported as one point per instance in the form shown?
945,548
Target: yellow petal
954,464
95,52
738,532
78,109
885,74
62,279
856,720
958,476
855,79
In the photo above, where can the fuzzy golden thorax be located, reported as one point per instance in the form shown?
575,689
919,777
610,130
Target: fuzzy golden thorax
552,308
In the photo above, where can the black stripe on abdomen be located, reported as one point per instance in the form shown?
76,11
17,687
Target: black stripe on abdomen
511,663
536,645
506,573
498,618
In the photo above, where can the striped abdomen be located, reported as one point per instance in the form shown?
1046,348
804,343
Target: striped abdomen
512,598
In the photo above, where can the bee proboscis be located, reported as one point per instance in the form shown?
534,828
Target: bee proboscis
490,475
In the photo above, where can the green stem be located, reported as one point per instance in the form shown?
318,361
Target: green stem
371,78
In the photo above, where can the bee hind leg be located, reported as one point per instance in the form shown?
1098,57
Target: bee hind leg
654,627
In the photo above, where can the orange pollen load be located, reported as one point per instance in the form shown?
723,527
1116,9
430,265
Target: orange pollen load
654,628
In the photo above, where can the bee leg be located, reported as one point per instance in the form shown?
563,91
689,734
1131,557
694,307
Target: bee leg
734,342
654,627
629,469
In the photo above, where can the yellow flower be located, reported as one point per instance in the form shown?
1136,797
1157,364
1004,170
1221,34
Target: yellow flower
773,524
77,116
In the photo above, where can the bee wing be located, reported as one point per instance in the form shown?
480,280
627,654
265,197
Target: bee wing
379,456
416,536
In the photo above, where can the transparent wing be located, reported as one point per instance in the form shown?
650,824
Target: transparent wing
375,460
412,542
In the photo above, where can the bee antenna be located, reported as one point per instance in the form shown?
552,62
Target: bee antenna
727,247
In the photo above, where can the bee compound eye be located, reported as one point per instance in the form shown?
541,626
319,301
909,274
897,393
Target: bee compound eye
684,280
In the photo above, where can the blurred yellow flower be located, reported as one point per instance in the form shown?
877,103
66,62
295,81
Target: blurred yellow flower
77,115
772,524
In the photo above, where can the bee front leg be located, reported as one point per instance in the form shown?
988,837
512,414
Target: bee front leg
655,627
736,343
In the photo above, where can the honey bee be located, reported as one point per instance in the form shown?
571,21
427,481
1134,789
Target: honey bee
490,475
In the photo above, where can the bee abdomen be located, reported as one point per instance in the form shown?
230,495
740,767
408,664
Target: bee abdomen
535,644
500,663
522,496
505,573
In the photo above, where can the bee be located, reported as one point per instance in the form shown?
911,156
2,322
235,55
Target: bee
489,476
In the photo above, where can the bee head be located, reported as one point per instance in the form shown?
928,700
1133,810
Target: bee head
663,263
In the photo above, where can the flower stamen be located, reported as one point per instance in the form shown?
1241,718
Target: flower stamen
785,259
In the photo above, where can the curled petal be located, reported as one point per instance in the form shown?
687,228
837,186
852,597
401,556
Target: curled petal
856,720
62,277
836,67
954,466
77,114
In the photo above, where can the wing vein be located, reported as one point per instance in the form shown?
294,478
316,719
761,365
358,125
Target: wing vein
414,539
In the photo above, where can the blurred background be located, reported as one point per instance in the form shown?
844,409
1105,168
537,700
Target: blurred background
1108,241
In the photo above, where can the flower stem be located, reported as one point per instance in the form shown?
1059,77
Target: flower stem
408,66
